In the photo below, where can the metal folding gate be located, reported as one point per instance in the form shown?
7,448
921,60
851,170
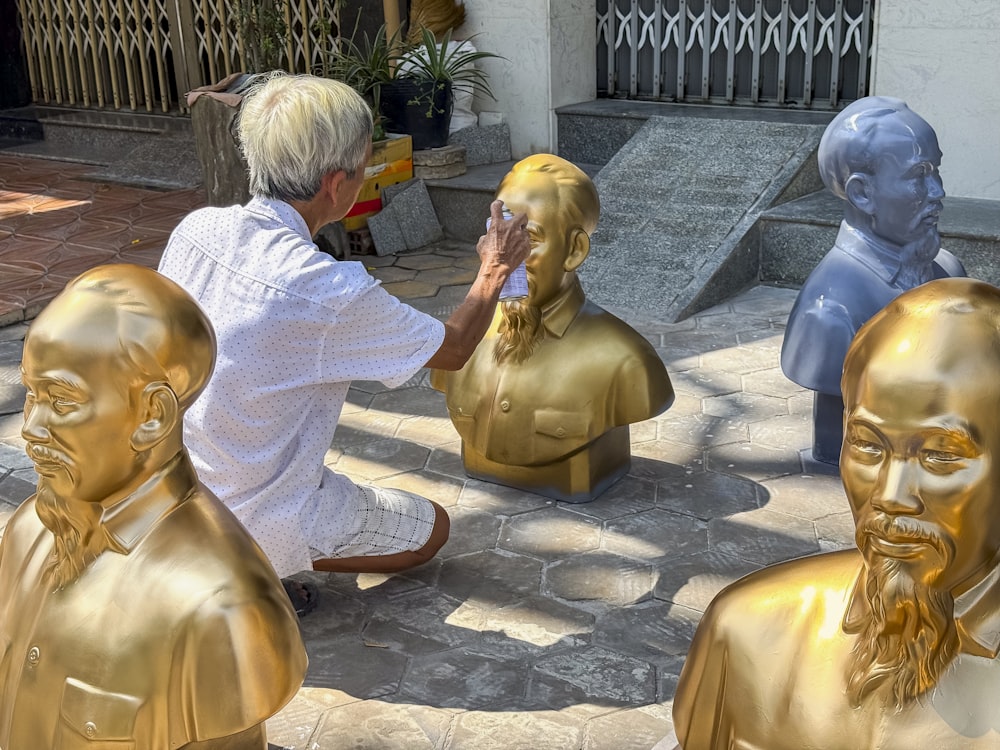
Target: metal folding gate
807,53
143,55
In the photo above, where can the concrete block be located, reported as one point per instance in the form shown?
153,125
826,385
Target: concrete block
415,213
489,145
387,235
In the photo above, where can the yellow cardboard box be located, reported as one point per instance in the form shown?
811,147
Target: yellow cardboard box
391,163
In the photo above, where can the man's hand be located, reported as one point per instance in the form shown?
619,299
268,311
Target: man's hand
503,248
506,244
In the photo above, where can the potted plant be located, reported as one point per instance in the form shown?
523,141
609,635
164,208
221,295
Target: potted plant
366,66
418,98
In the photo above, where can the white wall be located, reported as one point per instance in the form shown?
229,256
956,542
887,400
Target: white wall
550,46
942,57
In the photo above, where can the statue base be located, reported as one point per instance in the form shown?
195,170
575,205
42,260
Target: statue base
578,478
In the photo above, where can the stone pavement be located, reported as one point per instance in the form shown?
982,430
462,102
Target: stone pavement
542,625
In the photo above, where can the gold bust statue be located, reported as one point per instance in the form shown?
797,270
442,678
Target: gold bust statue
892,646
545,401
135,610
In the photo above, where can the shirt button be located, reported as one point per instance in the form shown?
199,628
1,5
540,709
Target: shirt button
505,405
560,432
90,729
34,655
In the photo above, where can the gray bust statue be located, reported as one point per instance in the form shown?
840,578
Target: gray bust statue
882,159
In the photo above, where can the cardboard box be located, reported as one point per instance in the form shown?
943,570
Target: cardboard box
391,163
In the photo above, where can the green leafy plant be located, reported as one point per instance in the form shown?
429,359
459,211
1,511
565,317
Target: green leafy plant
445,63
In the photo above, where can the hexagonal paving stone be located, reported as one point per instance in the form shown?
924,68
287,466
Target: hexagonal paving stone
601,577
490,578
658,459
788,430
344,663
430,431
654,535
801,403
770,382
392,274
651,631
757,462
770,300
294,724
365,426
500,499
704,382
591,675
642,431
448,276
447,459
471,531
628,728
408,289
411,624
684,404
694,580
732,321
382,725
481,730
532,625
740,359
700,430
709,495
686,341
763,536
809,496
549,533
747,407
626,496
405,402
459,679
381,458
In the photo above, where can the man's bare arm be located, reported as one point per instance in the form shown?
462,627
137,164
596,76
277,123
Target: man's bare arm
504,246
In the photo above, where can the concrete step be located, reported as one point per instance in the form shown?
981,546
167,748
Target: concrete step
794,236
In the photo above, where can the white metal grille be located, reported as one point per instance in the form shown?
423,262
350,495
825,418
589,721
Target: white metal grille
811,53
145,54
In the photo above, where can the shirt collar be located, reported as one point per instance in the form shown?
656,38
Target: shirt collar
128,520
977,614
880,257
280,211
557,316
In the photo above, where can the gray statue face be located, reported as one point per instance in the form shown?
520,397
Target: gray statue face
906,188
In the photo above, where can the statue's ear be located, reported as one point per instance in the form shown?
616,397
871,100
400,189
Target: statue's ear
159,412
858,191
579,249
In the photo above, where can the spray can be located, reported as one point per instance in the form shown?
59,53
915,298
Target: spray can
516,286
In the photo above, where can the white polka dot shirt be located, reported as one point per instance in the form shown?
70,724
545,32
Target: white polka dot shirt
294,327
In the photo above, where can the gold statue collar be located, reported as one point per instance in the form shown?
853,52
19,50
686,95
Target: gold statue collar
558,315
977,613
128,520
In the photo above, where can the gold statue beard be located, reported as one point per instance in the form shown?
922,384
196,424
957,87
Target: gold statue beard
76,528
916,259
519,333
910,637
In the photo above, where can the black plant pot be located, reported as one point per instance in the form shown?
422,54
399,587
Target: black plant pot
420,108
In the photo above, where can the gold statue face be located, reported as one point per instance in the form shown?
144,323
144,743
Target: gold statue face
560,202
78,419
109,366
921,445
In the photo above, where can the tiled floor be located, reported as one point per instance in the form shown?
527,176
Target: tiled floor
54,225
